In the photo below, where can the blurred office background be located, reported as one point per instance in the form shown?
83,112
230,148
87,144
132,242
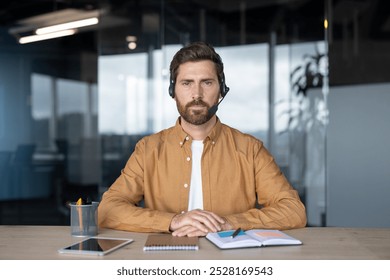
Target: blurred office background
310,78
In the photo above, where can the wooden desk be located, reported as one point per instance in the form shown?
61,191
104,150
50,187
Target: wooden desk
42,243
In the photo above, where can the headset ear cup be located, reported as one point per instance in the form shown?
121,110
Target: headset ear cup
224,89
171,89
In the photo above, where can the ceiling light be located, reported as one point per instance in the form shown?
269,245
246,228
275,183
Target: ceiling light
50,25
35,38
132,45
67,25
131,38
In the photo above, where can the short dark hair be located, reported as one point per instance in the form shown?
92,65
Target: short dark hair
196,51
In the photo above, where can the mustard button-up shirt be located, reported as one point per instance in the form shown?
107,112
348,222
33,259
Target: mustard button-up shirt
240,182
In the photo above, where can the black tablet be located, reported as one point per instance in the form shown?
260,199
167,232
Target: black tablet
95,246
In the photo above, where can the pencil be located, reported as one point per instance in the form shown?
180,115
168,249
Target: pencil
79,210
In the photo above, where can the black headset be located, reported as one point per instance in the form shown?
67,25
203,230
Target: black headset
223,88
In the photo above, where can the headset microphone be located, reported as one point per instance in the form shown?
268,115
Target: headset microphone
224,90
213,109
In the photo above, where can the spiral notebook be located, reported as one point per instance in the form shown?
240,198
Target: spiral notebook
167,242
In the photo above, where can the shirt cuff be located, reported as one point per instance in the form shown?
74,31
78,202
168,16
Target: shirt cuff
162,221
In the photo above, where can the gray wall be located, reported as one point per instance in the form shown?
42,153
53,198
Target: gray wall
358,156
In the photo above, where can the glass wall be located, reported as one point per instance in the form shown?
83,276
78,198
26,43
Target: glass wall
275,65
72,108
48,126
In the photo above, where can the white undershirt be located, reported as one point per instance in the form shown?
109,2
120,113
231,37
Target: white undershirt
196,194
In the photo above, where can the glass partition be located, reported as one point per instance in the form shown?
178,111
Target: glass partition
72,108
264,56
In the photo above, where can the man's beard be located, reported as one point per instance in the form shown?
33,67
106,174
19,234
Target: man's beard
194,116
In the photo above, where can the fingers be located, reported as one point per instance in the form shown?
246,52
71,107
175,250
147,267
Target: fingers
188,231
206,221
198,221
219,219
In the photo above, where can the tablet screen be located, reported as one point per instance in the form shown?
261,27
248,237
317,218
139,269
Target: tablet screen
96,245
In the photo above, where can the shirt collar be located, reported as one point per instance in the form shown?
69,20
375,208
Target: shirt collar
184,136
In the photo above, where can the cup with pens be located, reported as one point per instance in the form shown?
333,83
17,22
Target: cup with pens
83,217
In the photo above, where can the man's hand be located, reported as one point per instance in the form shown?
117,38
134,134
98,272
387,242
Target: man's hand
197,223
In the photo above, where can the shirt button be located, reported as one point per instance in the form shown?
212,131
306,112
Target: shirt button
181,143
186,185
213,142
188,158
187,138
182,212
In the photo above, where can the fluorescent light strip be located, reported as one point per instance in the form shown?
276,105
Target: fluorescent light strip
34,38
68,25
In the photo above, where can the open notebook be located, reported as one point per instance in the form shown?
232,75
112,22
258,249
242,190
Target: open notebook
251,238
156,242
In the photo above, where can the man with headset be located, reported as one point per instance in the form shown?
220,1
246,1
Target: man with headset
200,175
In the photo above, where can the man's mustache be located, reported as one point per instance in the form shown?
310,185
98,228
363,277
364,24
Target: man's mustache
197,103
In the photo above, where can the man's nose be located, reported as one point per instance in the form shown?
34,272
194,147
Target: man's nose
197,92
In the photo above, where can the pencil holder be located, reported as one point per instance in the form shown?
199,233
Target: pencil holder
83,219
